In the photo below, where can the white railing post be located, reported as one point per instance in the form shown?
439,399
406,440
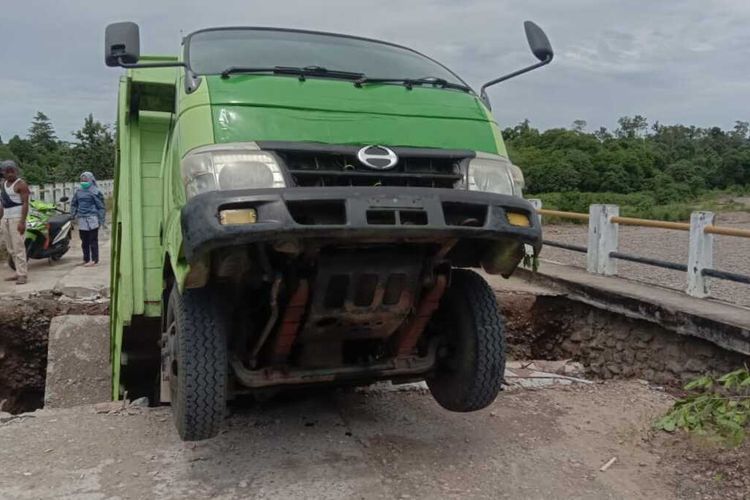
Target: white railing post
537,204
700,254
603,239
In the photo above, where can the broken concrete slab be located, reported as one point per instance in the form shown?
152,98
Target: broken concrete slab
560,367
531,379
78,368
525,374
534,374
388,386
64,277
85,283
81,289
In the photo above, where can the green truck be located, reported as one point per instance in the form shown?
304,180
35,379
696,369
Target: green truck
297,208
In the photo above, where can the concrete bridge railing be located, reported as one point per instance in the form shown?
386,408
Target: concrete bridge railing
603,241
52,192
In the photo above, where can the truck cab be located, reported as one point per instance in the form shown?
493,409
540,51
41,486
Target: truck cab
296,208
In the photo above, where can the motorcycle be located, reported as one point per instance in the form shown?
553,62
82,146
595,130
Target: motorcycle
48,232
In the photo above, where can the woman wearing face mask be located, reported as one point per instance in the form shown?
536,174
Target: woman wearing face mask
87,207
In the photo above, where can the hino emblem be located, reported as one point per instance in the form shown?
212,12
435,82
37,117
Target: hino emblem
377,157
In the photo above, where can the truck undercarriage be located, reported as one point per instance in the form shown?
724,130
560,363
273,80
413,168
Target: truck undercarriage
347,300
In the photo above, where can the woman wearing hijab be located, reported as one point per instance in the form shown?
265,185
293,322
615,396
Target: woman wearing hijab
87,207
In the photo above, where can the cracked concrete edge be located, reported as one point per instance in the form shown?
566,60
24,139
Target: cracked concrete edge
81,292
78,368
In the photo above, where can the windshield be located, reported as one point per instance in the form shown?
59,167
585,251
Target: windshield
213,51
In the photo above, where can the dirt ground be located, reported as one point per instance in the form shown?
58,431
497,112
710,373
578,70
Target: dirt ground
367,444
546,443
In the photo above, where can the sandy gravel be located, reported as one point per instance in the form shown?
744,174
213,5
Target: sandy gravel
547,443
730,254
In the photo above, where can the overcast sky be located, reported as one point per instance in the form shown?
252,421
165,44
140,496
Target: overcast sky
676,61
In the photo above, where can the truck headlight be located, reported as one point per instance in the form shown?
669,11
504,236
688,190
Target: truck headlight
230,166
494,174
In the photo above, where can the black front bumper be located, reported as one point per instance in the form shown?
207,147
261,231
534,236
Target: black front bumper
353,214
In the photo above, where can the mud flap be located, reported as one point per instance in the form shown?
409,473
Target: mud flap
502,257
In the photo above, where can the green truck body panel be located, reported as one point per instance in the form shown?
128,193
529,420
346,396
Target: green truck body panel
158,123
137,250
272,108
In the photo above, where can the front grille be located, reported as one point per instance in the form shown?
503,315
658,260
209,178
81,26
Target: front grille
324,169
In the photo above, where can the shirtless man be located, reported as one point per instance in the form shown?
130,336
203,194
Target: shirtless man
14,195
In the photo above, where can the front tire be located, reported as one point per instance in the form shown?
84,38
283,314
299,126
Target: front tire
196,350
471,361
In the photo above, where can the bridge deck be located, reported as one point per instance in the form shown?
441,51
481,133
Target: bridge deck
726,325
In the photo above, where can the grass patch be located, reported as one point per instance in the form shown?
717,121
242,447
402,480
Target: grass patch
713,407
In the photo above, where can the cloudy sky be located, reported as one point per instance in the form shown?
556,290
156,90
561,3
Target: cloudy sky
676,61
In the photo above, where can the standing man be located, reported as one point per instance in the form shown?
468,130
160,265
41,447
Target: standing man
14,195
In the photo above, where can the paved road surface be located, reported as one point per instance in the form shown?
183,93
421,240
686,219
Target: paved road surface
547,443
65,276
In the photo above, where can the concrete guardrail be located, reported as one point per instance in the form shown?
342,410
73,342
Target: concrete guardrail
602,247
52,192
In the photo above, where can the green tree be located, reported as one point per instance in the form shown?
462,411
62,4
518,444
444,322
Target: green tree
6,153
602,134
42,133
42,156
94,149
22,149
665,162
579,125
688,173
631,128
741,130
735,168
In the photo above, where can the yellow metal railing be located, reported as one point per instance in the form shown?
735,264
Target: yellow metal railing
728,231
602,247
632,221
564,215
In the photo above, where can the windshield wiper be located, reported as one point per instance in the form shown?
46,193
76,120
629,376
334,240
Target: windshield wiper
409,83
359,79
318,71
239,69
293,70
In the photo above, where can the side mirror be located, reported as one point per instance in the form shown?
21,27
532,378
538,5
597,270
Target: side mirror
538,41
64,199
122,44
540,46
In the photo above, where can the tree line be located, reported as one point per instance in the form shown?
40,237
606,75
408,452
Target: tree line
669,162
666,162
44,158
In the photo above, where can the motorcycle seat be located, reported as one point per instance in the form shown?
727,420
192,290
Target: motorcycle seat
58,220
